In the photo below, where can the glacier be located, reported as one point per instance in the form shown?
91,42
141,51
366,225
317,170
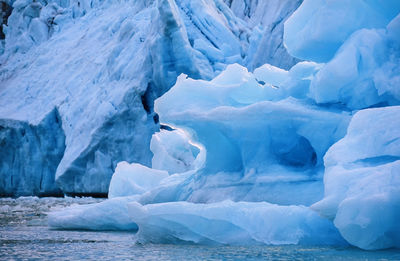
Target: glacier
98,66
210,122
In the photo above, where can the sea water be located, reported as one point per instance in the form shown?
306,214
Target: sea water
24,235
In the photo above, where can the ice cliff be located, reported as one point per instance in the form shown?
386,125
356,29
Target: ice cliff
306,155
78,79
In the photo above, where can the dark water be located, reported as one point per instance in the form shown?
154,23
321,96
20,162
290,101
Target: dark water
24,235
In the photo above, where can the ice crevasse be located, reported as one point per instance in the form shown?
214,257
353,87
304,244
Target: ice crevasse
300,156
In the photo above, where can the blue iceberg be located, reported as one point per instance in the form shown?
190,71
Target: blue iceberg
302,155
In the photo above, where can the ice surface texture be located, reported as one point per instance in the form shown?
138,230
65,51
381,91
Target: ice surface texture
100,65
250,152
234,223
319,27
259,165
267,147
362,180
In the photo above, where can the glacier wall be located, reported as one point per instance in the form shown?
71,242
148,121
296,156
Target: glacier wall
102,64
266,19
40,147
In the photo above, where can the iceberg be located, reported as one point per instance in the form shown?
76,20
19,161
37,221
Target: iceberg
227,222
362,181
131,179
107,215
304,154
279,159
318,28
254,147
100,65
363,72
173,151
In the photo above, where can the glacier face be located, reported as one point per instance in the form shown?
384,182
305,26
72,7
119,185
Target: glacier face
100,65
46,136
266,18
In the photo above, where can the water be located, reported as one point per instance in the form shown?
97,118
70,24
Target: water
24,235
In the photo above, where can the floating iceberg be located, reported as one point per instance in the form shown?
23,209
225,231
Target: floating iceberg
259,145
234,223
98,66
306,155
107,215
253,145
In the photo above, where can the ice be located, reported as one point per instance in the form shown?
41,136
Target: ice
362,181
300,77
295,154
318,28
107,215
271,74
131,179
100,65
227,222
266,19
173,152
252,144
362,74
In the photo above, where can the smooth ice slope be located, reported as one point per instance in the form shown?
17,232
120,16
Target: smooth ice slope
100,65
107,215
362,180
131,179
227,222
318,28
